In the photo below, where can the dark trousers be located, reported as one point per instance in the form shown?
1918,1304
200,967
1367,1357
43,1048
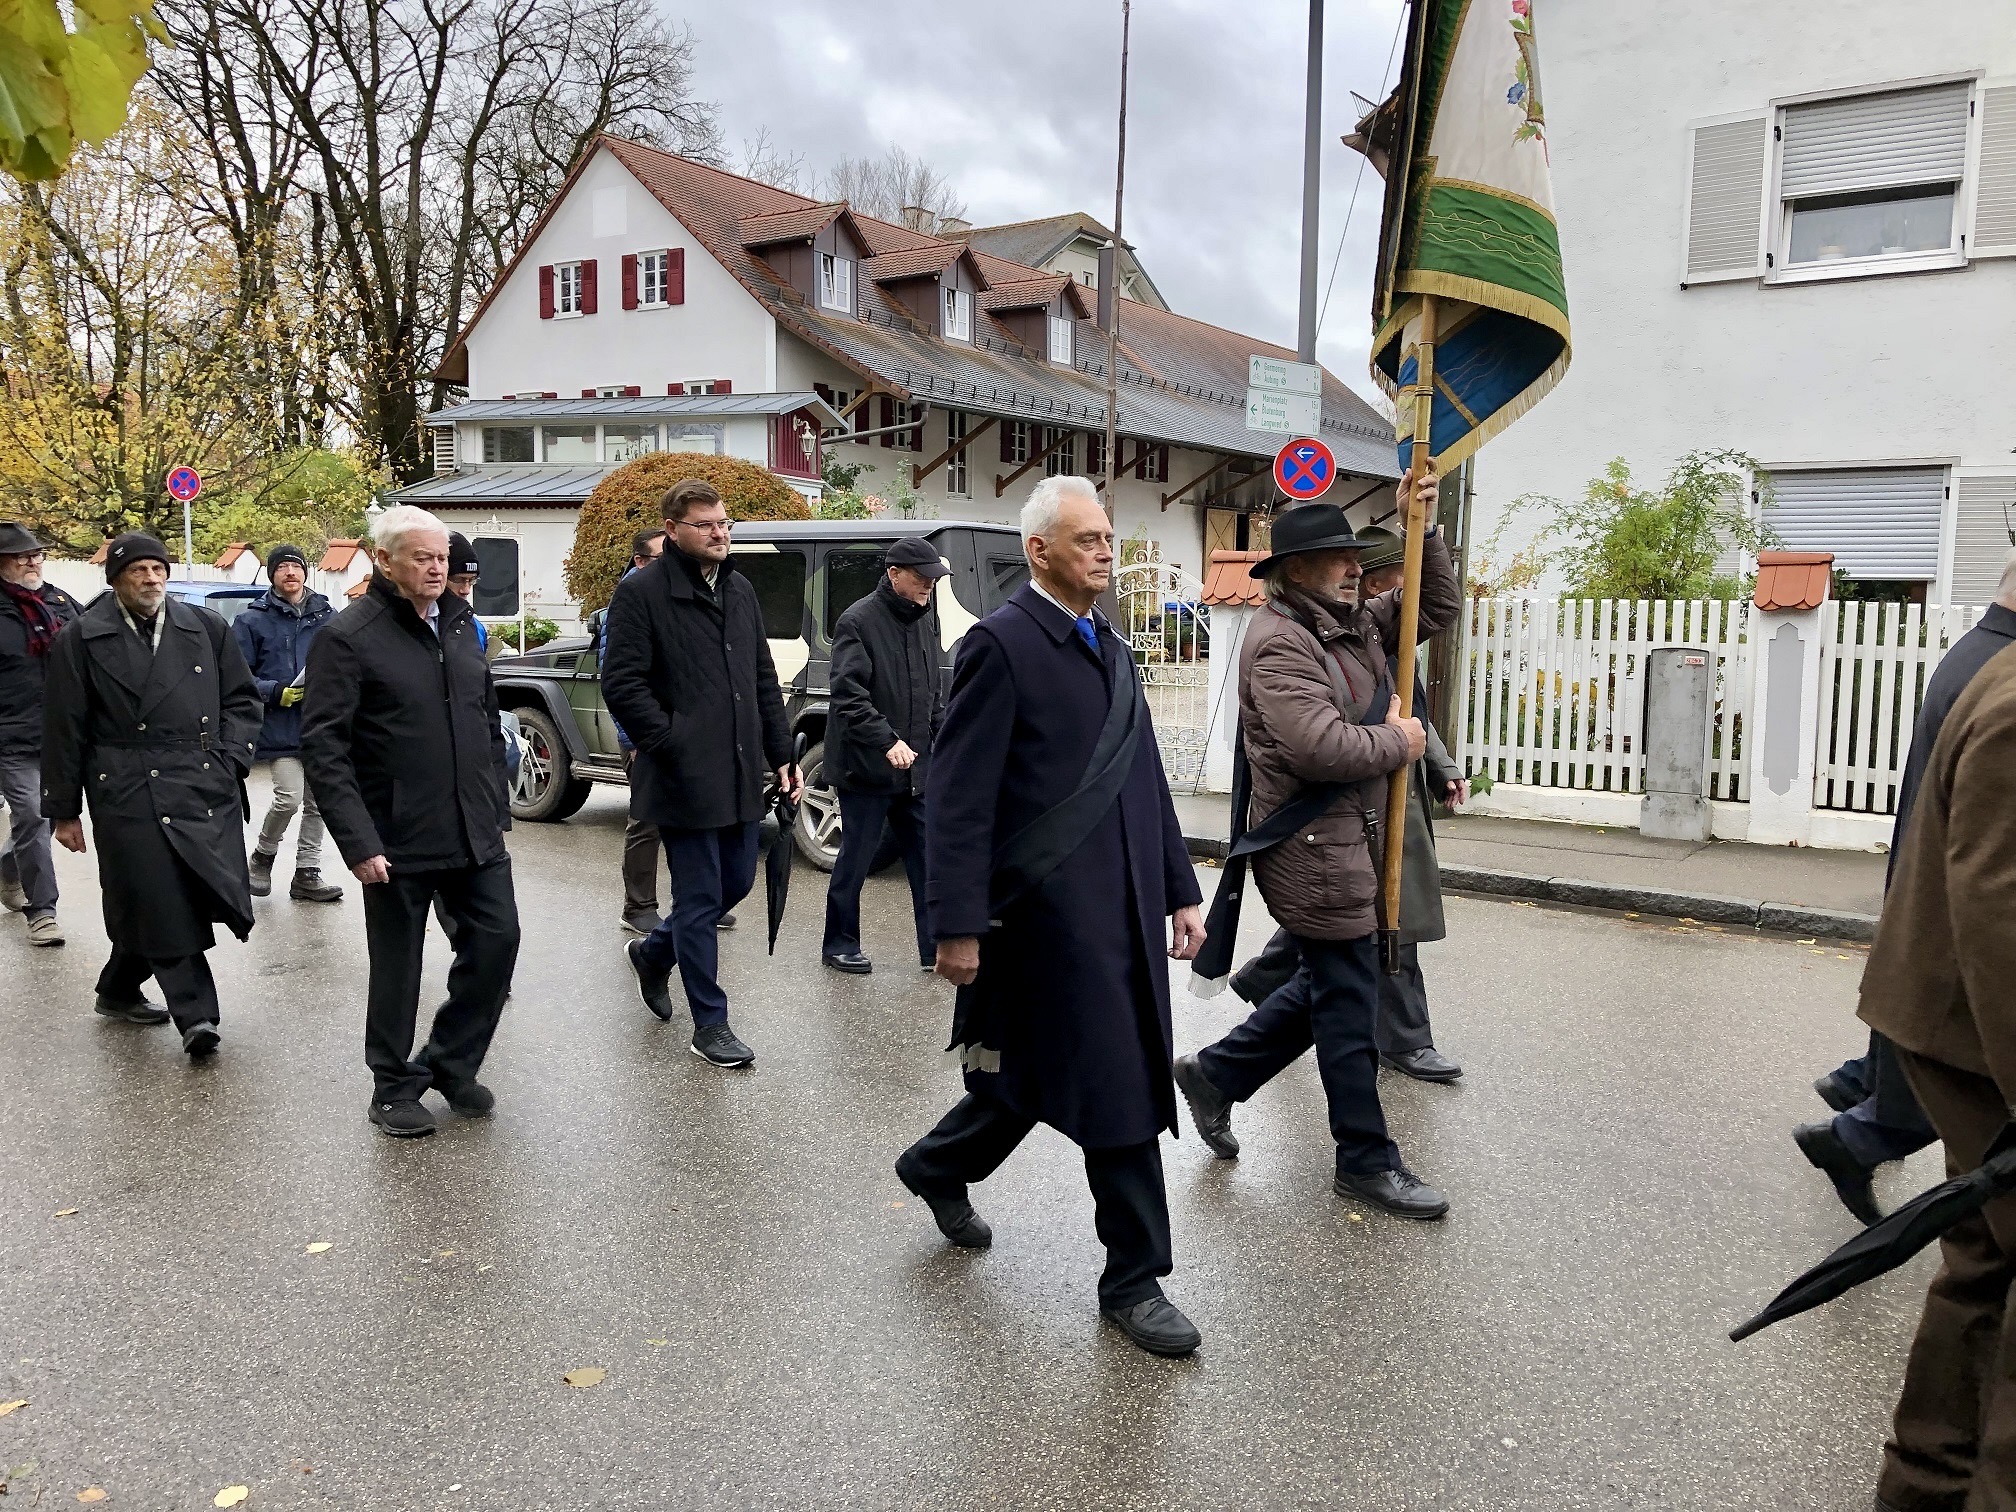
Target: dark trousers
1332,1002
1953,1441
711,870
862,816
1402,1024
186,983
1888,1123
483,910
24,857
640,858
1130,1209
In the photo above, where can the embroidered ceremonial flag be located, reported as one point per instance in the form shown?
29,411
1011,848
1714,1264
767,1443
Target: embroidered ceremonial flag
1469,218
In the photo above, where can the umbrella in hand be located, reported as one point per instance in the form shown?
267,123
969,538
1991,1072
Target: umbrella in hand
777,865
1885,1245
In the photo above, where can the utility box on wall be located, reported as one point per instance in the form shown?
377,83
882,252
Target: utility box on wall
1679,705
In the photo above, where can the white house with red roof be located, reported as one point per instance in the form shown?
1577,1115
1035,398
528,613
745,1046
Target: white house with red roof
661,304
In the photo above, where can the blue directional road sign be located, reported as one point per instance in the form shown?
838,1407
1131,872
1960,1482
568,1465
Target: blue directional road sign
1303,469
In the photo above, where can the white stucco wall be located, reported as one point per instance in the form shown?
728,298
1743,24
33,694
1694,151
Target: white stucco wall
719,332
1855,371
544,537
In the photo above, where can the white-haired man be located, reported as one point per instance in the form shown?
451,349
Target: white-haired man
404,752
1054,860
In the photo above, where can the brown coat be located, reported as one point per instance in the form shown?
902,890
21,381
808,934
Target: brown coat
1301,696
1940,973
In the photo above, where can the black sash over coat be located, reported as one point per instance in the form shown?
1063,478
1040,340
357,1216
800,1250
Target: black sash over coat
1068,1020
158,745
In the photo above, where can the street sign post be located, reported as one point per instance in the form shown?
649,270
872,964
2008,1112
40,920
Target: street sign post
1303,469
1285,414
1281,376
184,483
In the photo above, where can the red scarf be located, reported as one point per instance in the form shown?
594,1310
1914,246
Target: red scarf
41,619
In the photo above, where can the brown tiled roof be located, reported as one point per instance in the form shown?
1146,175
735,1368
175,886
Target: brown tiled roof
929,259
339,554
1181,381
97,558
358,589
799,223
1793,579
232,552
1227,580
1024,292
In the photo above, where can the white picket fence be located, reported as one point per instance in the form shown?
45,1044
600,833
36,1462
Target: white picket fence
1549,693
84,582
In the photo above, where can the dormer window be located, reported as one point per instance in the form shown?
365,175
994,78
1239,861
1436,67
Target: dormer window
1063,340
836,282
958,315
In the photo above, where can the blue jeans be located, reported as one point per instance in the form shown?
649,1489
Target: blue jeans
862,816
1332,1002
711,870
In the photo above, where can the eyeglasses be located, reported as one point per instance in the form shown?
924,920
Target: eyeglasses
25,558
712,527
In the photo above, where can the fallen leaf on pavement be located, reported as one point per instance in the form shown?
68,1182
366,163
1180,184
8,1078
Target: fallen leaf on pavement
658,1341
1808,942
587,1375
7,1407
320,1246
482,1267
91,1494
1355,1218
231,1496
66,1212
444,1254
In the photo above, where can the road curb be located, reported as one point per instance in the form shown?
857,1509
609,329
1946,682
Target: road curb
1623,897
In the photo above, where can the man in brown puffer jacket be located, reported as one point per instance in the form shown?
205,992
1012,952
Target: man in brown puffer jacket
1316,705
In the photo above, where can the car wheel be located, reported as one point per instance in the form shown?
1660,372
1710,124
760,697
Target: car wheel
545,789
817,832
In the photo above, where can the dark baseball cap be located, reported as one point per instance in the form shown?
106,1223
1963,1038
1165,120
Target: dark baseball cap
918,554
461,555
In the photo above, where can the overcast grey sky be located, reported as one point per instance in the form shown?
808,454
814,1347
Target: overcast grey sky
1015,104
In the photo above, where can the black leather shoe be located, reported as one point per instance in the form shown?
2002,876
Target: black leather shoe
1822,1146
1426,1064
403,1120
853,963
1210,1110
259,873
1157,1325
1399,1191
138,1012
308,887
200,1040
726,921
1838,1094
717,1045
955,1216
653,985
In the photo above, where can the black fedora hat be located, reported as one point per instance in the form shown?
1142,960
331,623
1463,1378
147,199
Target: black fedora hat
1308,527
17,540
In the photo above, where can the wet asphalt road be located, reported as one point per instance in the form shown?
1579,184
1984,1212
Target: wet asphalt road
779,1322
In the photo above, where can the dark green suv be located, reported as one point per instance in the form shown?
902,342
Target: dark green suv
805,573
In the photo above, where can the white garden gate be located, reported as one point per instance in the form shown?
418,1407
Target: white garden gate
1168,626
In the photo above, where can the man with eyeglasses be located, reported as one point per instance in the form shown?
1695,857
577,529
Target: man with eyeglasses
31,613
687,674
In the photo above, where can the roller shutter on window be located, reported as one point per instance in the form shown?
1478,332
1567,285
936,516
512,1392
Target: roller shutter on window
1984,514
1995,174
1881,523
1875,141
1725,200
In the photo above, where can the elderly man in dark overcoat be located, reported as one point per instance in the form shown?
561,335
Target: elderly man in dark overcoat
152,718
1054,858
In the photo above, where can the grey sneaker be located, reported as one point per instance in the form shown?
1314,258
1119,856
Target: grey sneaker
717,1045
44,930
12,898
259,866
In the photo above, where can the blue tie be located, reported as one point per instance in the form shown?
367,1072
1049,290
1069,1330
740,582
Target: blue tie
1088,634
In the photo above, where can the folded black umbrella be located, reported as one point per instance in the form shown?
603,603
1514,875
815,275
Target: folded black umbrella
1885,1245
777,864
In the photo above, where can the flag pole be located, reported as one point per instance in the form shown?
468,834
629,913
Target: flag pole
1410,614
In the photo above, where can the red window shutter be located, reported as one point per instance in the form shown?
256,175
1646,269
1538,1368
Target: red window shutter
546,291
888,419
675,388
1161,464
1140,459
1007,430
675,276
587,393
723,386
633,392
549,394
588,286
629,280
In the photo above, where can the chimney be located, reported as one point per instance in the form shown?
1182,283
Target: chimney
951,225
917,218
1108,255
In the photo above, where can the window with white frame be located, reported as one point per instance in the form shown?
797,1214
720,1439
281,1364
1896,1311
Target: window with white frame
1872,181
957,424
1063,338
836,282
958,315
1881,523
567,288
626,443
507,443
1155,465
567,443
1015,441
702,386
1061,447
654,278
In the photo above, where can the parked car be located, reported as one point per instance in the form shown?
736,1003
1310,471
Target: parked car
227,599
805,574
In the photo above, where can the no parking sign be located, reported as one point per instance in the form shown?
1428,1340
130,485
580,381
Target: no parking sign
1303,469
184,483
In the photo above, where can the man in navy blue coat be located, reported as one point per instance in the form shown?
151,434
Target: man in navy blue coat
1063,1012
